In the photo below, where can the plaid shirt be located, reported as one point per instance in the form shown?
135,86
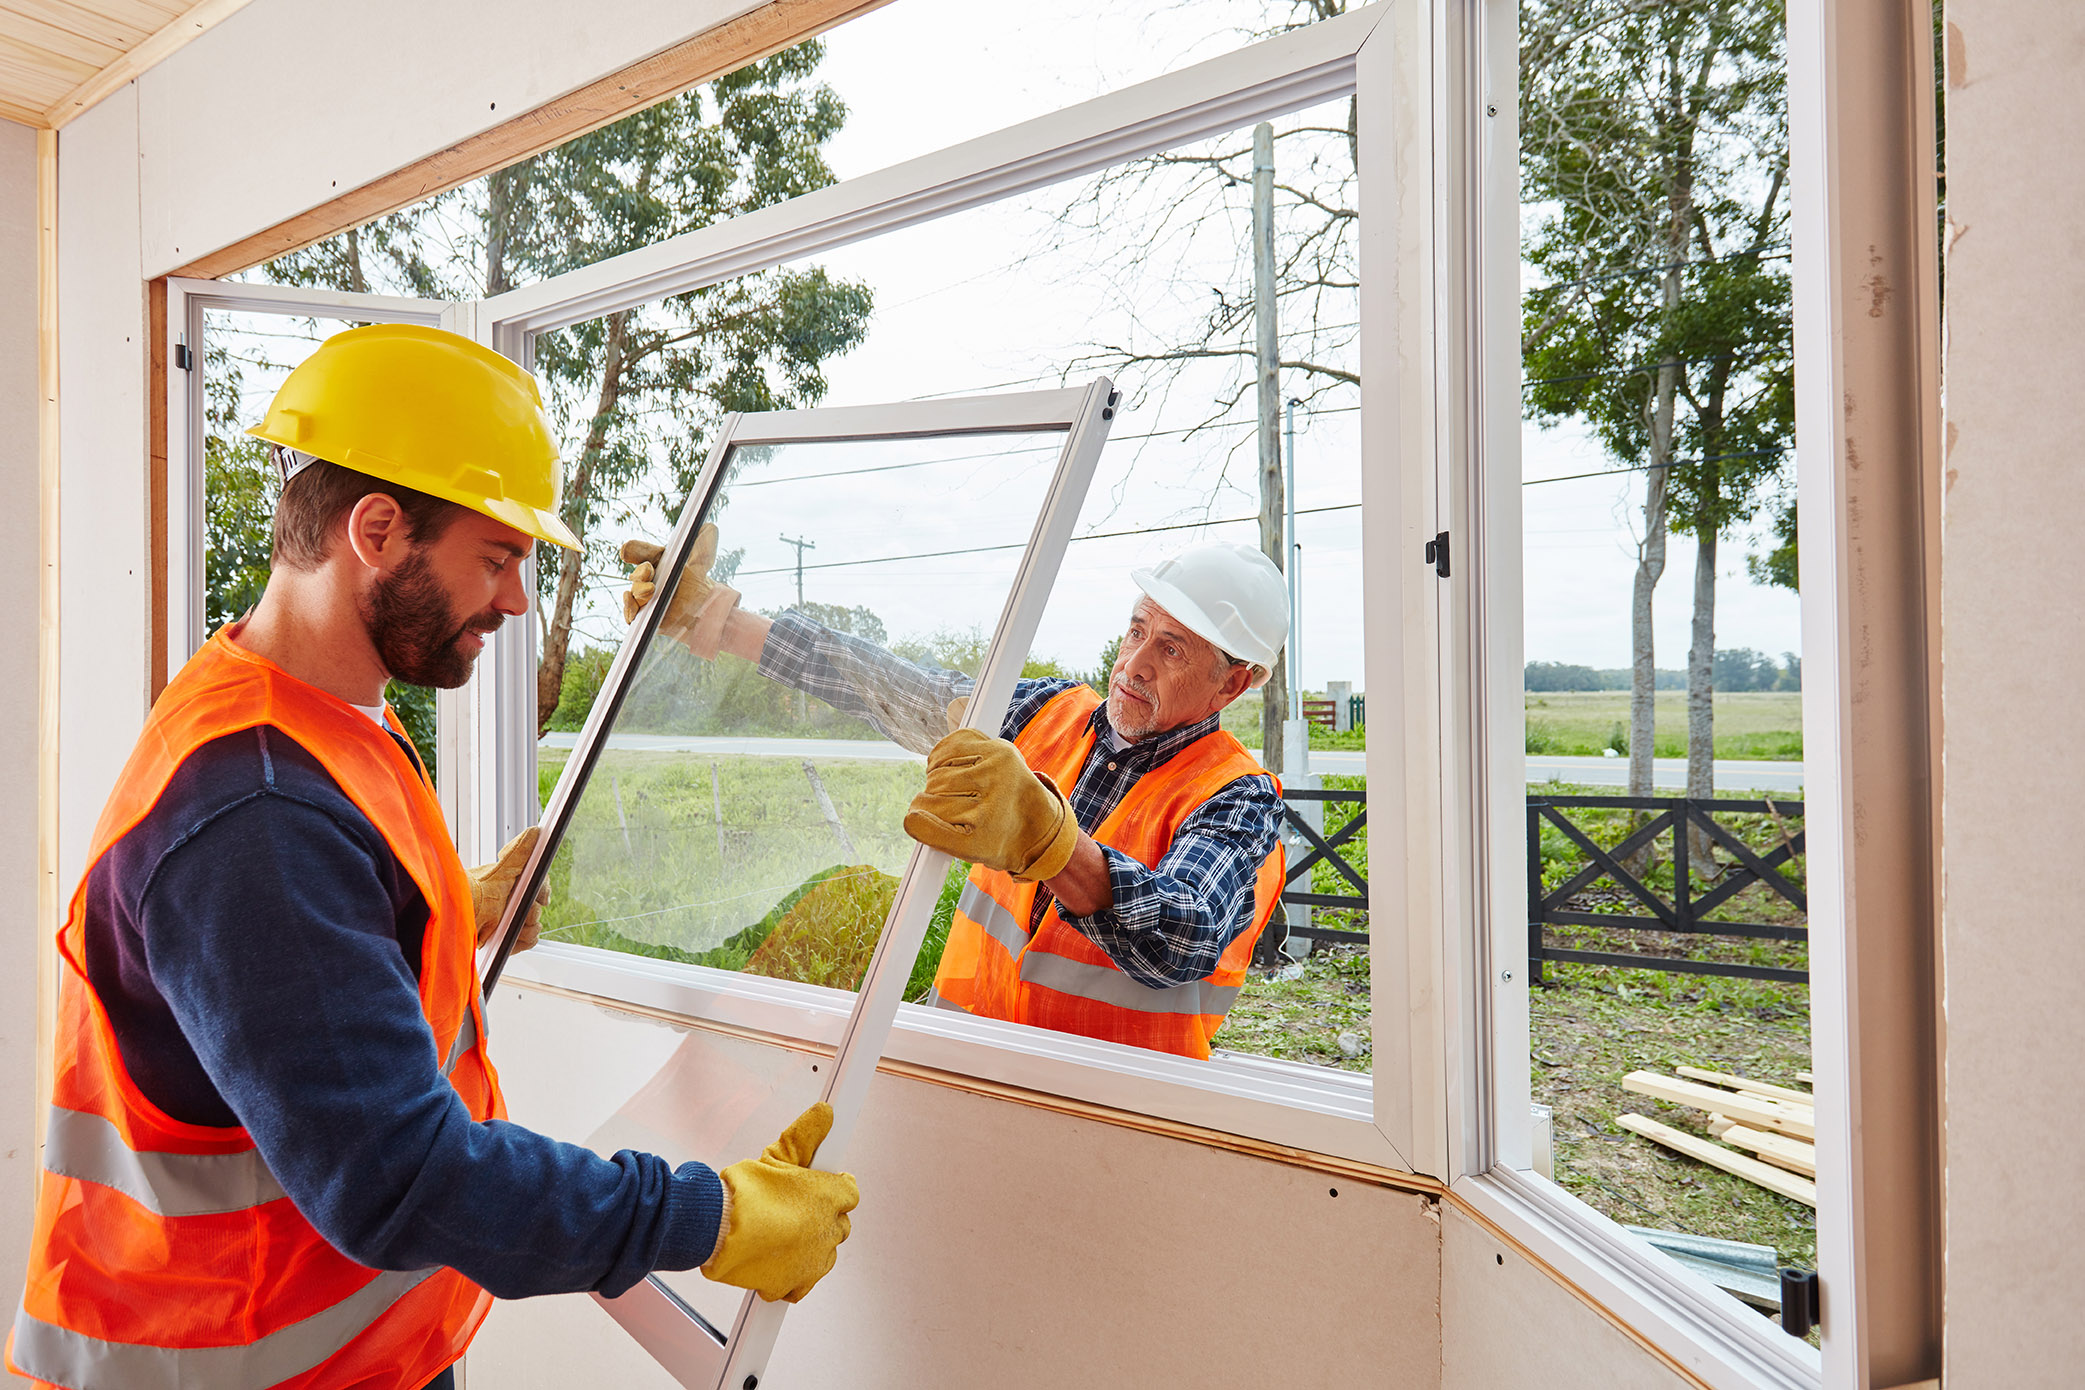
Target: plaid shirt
1168,924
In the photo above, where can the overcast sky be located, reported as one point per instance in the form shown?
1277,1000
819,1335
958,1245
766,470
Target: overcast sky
1005,297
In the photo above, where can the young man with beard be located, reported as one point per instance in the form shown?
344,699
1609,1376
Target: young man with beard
1125,852
276,1151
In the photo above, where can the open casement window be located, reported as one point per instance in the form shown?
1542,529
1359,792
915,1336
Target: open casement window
708,811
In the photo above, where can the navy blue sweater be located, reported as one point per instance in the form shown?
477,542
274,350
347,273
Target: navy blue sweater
257,946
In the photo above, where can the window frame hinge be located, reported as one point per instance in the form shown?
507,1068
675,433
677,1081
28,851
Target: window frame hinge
1437,554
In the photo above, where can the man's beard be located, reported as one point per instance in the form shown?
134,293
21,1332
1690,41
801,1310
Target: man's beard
1137,720
415,630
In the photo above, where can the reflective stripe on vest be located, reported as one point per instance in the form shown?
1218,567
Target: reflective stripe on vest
91,1149
65,1357
999,924
1106,985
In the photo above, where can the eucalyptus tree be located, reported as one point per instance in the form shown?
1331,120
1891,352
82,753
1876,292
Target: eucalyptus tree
638,393
1654,167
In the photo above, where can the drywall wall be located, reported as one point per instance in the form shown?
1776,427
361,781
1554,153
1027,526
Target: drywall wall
103,540
1506,1324
18,715
997,1244
399,80
2013,664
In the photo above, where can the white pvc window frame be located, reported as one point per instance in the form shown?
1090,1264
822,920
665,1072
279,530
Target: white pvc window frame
698,1354
1384,1119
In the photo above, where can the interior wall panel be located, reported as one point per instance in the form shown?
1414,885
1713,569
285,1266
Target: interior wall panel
18,716
998,1244
326,97
103,540
2013,664
1506,1325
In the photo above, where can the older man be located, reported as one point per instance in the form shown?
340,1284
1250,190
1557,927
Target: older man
1126,852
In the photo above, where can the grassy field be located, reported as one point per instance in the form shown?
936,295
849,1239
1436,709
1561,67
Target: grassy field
644,871
1749,724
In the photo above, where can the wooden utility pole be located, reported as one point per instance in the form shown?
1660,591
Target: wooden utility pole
1274,696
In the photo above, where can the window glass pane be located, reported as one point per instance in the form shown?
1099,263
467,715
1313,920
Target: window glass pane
1144,272
1662,705
745,812
246,356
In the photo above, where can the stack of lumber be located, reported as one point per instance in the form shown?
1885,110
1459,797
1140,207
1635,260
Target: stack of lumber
1768,1132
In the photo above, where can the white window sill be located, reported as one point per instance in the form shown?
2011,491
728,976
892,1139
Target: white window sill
1317,1109
1725,1344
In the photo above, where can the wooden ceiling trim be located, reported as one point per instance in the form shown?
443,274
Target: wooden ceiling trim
20,115
754,35
30,85
191,23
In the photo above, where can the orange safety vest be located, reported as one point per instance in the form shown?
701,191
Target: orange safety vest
166,1255
1058,978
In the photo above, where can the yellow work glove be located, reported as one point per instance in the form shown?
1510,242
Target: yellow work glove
696,614
983,803
783,1219
492,884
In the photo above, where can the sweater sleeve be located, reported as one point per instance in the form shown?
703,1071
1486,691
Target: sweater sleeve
268,931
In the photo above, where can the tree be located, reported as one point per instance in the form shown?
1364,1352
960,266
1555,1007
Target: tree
1655,144
639,391
1191,206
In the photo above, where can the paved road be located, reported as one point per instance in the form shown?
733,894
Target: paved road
1670,773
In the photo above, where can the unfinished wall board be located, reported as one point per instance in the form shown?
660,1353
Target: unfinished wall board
19,566
1507,1325
1101,1256
102,354
2013,664
388,102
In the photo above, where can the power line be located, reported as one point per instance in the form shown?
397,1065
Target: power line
1022,545
1647,467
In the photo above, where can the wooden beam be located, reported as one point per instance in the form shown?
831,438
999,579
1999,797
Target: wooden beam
772,27
1716,1156
197,20
20,115
1757,1111
1777,1149
1745,1083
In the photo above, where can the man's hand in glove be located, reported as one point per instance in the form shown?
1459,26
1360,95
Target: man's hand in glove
983,803
783,1219
699,608
492,884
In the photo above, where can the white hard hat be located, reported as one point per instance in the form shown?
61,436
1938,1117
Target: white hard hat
1229,594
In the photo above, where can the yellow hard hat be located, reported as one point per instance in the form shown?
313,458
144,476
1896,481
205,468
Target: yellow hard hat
429,410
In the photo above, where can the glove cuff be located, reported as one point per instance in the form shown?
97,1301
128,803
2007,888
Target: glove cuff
705,636
1056,851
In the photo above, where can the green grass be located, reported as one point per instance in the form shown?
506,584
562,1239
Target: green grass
1749,724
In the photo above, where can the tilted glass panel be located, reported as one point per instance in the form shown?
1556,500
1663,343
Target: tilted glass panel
745,809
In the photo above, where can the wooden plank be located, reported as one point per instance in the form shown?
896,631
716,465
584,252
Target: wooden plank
1720,1124
198,19
56,66
26,84
1716,1156
1806,1078
21,115
121,27
1745,1083
767,29
1777,1149
36,33
1756,1111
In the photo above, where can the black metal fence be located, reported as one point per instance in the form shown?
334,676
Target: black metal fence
1687,911
1323,850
